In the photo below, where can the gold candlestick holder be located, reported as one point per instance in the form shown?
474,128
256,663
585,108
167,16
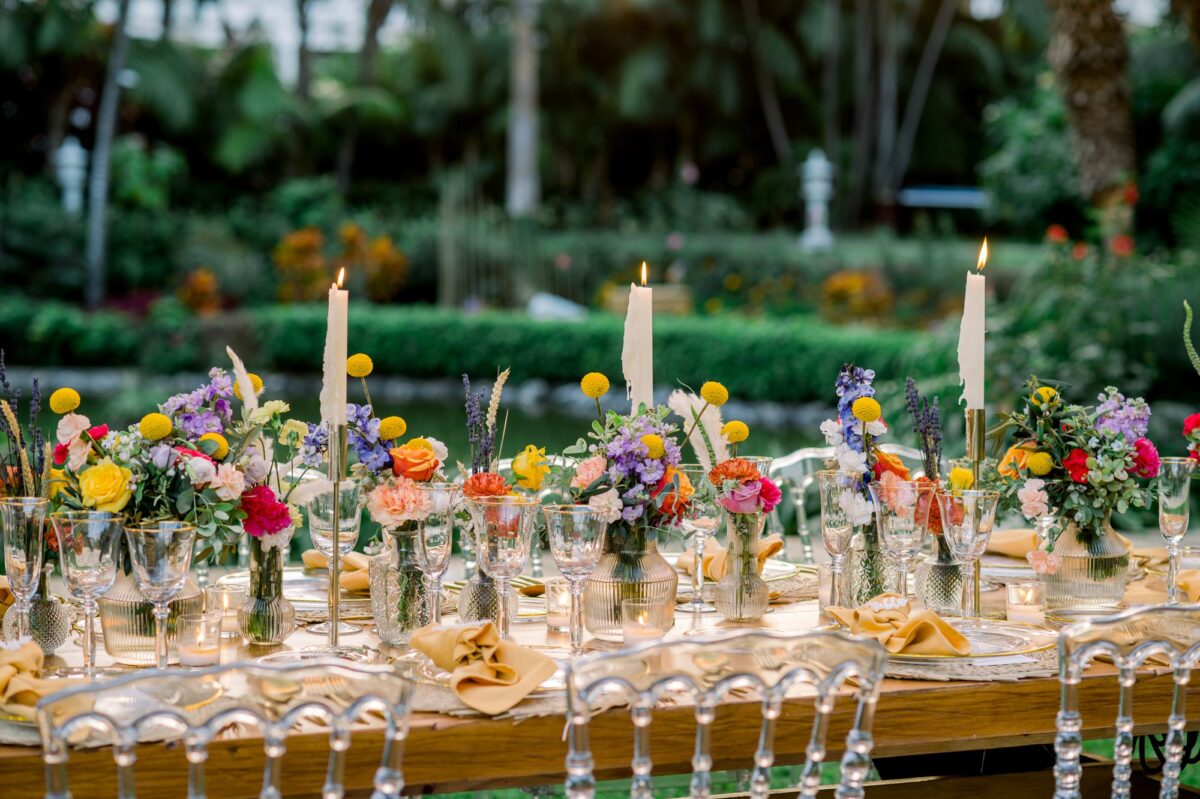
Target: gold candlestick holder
976,451
337,473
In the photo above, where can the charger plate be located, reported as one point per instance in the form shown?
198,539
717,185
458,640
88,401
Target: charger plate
308,591
991,639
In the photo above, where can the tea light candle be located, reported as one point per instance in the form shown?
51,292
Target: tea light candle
558,605
645,619
225,599
1025,603
200,639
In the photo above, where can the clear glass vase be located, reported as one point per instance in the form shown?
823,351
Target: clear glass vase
479,599
266,617
869,571
398,598
1092,571
741,594
49,617
630,568
127,619
939,579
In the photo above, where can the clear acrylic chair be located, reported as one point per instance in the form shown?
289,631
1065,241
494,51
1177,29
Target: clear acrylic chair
1171,634
704,670
197,707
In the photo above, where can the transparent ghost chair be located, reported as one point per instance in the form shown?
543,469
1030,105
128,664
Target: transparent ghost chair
704,671
197,707
1170,634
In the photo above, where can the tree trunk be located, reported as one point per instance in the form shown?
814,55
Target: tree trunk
767,95
106,128
168,19
1190,11
889,89
830,77
303,56
918,93
523,187
1089,55
863,105
377,12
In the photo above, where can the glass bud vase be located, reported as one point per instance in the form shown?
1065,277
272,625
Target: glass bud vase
869,574
49,617
479,599
631,567
741,594
939,581
1093,567
398,603
266,617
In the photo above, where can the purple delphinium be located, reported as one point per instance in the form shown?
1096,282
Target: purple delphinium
315,445
363,435
852,382
1120,416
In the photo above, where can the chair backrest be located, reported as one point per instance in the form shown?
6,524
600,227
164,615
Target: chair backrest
1171,633
196,706
705,670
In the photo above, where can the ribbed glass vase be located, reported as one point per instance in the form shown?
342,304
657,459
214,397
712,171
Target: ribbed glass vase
1092,572
266,617
127,620
630,568
398,602
741,594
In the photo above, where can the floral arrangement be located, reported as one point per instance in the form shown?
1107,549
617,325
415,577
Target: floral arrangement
1191,425
1082,462
741,488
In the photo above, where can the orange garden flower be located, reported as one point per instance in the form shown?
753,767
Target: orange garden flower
676,501
885,462
733,469
1015,461
485,484
414,462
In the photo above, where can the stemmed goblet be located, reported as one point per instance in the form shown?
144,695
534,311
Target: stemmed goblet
699,520
435,541
1174,485
161,553
23,526
502,527
967,521
323,519
902,513
576,535
837,490
88,543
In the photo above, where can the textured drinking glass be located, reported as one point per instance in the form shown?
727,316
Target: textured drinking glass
161,553
1174,485
699,520
502,528
23,527
321,515
576,535
902,513
967,520
88,543
435,541
837,490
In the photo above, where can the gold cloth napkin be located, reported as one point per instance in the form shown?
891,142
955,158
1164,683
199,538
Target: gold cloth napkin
1189,581
488,674
891,620
7,598
354,574
20,684
1019,543
1153,556
715,560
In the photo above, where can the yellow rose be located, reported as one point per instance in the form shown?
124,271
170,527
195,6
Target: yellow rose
961,479
530,468
105,486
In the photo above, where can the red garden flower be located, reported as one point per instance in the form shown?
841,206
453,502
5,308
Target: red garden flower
1145,461
1076,465
1079,251
1121,245
1057,234
1191,424
1132,195
264,513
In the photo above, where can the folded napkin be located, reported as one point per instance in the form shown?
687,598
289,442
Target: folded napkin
354,574
488,674
1189,581
21,685
715,560
7,598
1019,543
891,620
1153,556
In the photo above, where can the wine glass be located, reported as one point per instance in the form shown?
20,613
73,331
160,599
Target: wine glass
902,512
576,535
967,521
161,553
699,521
88,543
435,540
23,526
321,519
1174,485
837,490
502,527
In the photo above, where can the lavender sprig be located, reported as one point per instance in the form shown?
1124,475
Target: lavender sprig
478,435
927,425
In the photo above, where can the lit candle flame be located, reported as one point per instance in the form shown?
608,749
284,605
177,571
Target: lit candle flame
643,273
983,255
342,275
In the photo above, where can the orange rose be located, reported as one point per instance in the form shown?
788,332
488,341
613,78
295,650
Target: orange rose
885,462
485,484
676,502
1015,461
733,469
414,462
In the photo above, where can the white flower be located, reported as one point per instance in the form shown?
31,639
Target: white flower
201,471
440,450
832,430
70,426
877,428
858,509
279,540
850,460
256,467
607,505
1034,500
263,413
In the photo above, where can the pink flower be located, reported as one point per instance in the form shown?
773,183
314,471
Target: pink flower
1043,562
1034,499
770,495
228,482
70,426
396,502
265,515
588,471
1145,461
745,498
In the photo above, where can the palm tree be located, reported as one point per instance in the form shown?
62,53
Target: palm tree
377,14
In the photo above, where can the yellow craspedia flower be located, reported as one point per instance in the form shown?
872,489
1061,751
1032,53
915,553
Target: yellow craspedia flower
530,468
735,432
222,444
655,446
594,385
714,393
155,426
961,478
1044,397
256,383
64,400
866,409
1040,463
359,365
105,486
392,427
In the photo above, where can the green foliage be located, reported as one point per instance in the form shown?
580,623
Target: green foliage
142,177
56,334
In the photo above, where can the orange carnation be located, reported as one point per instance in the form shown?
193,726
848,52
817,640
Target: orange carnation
485,484
885,462
935,510
676,502
733,469
415,462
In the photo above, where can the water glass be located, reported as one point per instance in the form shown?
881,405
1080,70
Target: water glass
837,490
576,534
699,521
435,541
23,527
967,521
502,527
902,513
88,543
161,553
321,519
1174,485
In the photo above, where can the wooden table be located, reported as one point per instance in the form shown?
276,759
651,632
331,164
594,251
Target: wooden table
452,754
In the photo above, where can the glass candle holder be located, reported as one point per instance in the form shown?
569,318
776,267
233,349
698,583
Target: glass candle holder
645,620
200,638
558,605
225,599
1026,602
